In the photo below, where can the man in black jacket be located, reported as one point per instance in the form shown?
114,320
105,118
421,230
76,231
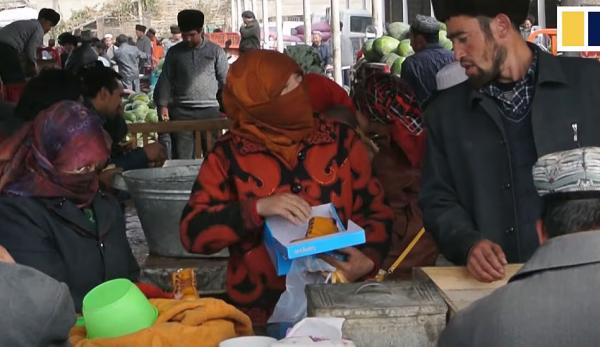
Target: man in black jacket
484,135
102,90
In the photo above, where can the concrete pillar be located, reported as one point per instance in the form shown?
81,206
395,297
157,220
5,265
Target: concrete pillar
279,17
254,8
377,14
541,5
307,22
234,15
238,16
337,43
405,11
266,31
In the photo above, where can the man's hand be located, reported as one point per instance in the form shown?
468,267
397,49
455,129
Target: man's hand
486,261
156,153
289,206
5,257
357,264
163,112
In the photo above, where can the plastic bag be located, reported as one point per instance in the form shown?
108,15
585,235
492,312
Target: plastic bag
291,307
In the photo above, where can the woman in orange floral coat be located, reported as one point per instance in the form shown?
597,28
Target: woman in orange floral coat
279,159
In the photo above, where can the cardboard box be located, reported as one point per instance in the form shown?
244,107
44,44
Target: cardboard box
285,241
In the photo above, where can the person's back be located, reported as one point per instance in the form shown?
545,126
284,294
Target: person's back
82,57
419,70
127,58
18,33
553,300
37,310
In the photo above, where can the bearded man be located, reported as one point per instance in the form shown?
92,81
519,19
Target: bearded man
485,134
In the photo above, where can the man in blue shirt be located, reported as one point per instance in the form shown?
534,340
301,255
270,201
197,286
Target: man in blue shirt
322,49
419,70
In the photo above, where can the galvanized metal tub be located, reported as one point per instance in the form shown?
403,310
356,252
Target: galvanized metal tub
159,195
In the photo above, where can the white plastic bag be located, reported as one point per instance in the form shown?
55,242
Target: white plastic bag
291,307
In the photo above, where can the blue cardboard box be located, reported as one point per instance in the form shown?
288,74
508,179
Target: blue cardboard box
285,241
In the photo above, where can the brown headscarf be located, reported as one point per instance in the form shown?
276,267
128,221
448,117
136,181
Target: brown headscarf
253,101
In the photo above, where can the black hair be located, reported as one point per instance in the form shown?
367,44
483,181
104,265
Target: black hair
95,78
49,15
429,37
121,39
47,88
67,38
341,114
565,215
516,10
248,14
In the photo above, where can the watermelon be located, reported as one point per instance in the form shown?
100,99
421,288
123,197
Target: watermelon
405,49
397,66
443,26
390,59
398,30
385,45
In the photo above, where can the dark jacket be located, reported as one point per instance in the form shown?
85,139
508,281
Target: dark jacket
324,53
32,299
250,37
419,70
55,237
467,192
82,57
552,301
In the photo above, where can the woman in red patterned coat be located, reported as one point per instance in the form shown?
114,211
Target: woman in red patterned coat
278,159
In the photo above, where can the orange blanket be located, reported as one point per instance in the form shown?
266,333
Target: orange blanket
203,322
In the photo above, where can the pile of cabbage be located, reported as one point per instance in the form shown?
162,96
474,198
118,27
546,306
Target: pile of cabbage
139,108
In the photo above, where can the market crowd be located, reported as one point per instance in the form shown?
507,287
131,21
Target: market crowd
493,149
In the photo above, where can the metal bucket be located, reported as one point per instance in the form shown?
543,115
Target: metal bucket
159,195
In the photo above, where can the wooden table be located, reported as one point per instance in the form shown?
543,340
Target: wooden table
458,287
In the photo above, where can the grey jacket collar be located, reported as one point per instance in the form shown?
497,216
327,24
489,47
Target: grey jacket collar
549,71
564,251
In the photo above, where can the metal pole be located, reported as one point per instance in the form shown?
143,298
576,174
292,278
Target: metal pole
431,8
307,22
405,11
337,42
266,30
541,13
378,16
279,17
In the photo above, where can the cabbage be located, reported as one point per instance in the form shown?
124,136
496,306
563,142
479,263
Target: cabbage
129,116
390,59
152,116
405,49
397,66
398,30
385,45
444,40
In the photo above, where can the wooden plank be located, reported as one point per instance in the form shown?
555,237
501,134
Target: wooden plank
197,144
209,140
134,139
458,288
457,277
145,137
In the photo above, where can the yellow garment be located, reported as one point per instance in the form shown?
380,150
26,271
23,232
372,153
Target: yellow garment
202,322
